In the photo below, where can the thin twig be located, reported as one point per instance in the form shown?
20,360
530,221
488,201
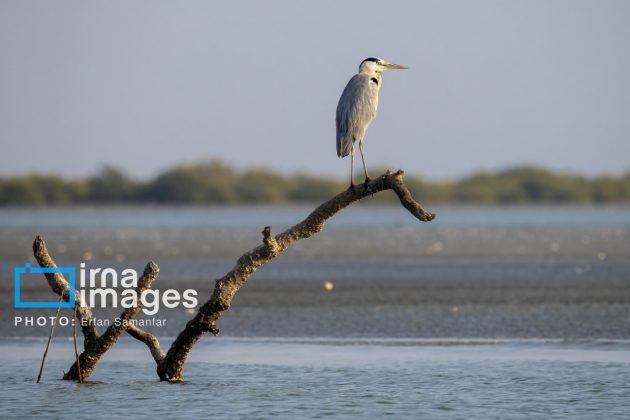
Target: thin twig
52,331
76,351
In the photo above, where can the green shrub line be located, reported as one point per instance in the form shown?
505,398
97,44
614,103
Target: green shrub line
216,182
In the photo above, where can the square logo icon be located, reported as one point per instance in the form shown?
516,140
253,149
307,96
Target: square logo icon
17,275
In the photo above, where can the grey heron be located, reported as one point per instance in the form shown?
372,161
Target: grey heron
357,108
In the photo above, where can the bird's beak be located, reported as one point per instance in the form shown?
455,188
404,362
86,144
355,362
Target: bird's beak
391,66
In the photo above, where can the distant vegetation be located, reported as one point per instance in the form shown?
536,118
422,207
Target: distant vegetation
218,183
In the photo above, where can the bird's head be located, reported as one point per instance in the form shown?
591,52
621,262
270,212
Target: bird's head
376,65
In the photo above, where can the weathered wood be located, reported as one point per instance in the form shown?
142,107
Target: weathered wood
149,339
60,285
94,345
171,367
76,349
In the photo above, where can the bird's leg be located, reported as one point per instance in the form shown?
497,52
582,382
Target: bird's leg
367,177
352,166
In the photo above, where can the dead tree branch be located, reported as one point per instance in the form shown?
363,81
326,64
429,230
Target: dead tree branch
95,345
149,339
171,366
60,285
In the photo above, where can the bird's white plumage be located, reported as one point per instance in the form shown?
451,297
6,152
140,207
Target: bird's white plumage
357,107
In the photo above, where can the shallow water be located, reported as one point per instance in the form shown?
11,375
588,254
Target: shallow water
287,378
283,216
438,320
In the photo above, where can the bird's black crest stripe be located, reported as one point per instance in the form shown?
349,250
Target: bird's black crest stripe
376,60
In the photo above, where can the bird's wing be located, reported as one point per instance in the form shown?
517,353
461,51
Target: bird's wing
355,110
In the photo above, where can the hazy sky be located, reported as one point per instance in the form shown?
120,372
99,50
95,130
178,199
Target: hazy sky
147,84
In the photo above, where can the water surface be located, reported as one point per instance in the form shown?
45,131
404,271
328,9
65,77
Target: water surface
487,312
254,378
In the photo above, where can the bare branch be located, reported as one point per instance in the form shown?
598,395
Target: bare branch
407,200
94,345
149,339
112,333
171,367
60,285
88,359
76,350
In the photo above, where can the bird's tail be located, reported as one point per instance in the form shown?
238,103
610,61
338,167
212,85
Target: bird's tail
343,146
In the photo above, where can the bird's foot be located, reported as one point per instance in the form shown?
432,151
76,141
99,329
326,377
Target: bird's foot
352,186
366,184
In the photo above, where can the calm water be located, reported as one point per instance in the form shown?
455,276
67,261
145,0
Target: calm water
285,216
258,378
391,339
